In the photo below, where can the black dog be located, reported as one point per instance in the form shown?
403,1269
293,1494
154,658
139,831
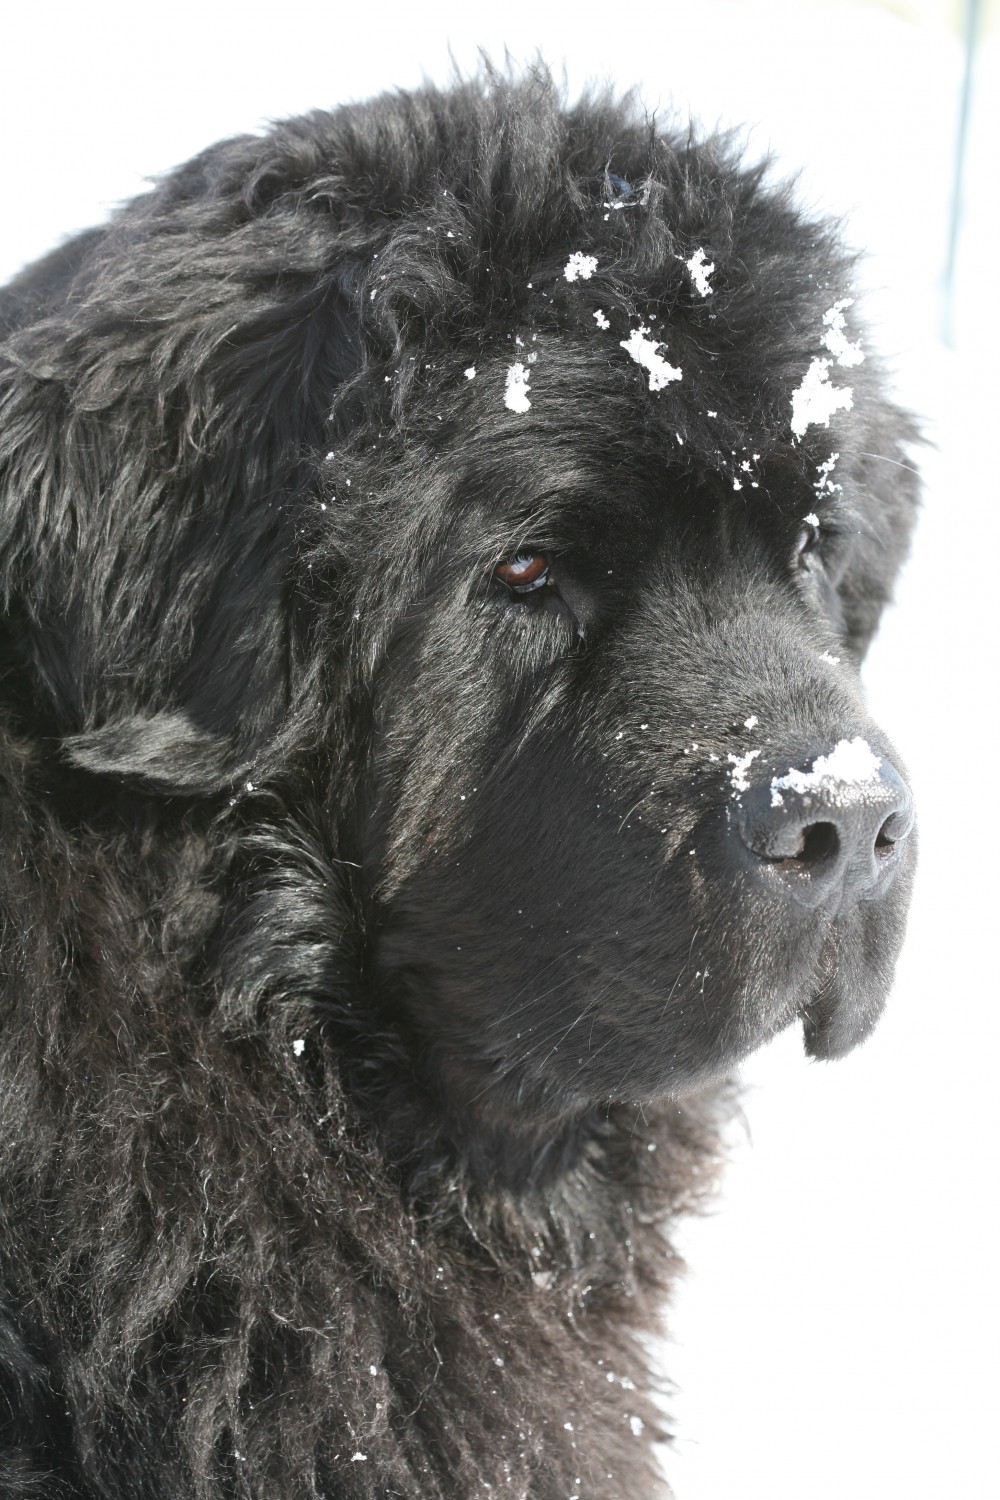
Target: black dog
438,540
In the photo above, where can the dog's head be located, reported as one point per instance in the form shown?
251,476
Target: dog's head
569,594
629,816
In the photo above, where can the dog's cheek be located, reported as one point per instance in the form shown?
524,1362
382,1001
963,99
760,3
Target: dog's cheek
551,949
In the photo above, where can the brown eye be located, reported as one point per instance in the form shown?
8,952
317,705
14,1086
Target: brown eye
526,571
807,539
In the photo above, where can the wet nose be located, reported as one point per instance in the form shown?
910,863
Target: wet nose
828,832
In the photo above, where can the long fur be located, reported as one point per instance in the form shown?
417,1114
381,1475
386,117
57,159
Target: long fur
371,957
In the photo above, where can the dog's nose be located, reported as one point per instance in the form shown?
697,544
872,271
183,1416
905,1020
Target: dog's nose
828,832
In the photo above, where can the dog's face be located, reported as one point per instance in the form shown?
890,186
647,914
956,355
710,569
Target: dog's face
629,816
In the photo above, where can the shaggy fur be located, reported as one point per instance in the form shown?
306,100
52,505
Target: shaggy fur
374,948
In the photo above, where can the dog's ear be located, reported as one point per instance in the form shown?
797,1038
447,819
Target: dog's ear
167,396
878,469
165,754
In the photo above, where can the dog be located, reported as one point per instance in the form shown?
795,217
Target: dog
438,539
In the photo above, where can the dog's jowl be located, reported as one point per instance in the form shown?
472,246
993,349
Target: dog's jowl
438,543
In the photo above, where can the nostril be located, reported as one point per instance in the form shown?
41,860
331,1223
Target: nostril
818,843
888,835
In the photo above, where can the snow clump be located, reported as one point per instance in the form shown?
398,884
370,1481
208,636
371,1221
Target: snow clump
816,400
824,484
643,350
850,763
515,396
700,268
738,775
580,267
835,339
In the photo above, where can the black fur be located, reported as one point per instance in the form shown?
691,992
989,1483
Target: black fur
373,958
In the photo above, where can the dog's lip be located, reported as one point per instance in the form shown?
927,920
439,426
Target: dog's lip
832,1026
818,1007
817,1004
812,1031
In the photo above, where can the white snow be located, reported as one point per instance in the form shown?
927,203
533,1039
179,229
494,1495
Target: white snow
812,519
816,400
741,765
700,268
850,763
637,1425
752,722
516,392
580,267
835,339
470,373
601,321
828,656
299,1046
643,350
824,484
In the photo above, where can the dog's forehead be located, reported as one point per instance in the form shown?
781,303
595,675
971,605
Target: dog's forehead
551,435
551,423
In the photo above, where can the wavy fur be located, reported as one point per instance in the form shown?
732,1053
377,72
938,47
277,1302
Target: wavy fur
356,1051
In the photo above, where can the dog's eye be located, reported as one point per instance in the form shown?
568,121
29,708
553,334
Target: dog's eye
806,541
524,572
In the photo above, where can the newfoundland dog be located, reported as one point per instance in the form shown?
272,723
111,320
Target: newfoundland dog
438,540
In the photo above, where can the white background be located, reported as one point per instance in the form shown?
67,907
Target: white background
837,1336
